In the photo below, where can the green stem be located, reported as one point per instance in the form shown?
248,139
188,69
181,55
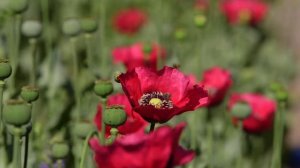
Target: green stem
84,150
210,138
89,51
60,163
239,162
33,46
76,78
17,148
102,134
152,126
26,149
104,57
2,142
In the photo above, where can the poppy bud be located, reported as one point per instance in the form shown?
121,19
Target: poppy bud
147,48
114,116
200,21
82,129
30,94
275,86
241,110
180,34
5,69
282,96
60,150
31,28
89,25
18,6
17,113
71,27
103,88
116,76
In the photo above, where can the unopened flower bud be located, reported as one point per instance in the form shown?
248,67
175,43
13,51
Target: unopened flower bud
31,28
241,110
82,129
114,116
147,48
89,25
60,150
71,27
180,34
282,96
5,69
116,76
18,6
103,88
200,20
30,94
17,113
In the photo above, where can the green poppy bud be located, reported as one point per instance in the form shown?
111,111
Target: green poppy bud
147,48
89,25
31,28
103,88
241,110
60,150
17,113
282,96
200,20
180,34
114,116
116,76
5,69
71,27
30,94
82,129
18,6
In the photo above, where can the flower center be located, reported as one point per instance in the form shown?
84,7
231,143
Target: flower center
158,100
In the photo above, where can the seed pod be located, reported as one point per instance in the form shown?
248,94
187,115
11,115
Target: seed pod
17,113
114,116
31,28
5,69
18,6
103,88
82,129
71,27
30,94
60,150
89,25
241,110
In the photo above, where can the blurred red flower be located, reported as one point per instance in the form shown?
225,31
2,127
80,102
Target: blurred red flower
129,21
262,111
217,82
240,11
138,55
159,149
159,95
134,121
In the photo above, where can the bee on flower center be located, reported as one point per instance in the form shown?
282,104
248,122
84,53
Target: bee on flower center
158,100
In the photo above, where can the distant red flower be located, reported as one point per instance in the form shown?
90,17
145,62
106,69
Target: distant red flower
134,121
217,81
201,5
129,21
237,11
159,95
159,149
137,55
262,114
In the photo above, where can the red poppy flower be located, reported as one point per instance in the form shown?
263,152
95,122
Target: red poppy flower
136,56
262,111
129,21
134,121
159,95
251,11
217,81
159,149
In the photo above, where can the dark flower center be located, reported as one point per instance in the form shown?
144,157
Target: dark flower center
158,100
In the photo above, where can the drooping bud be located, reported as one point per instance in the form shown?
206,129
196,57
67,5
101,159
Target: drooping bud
71,27
114,116
180,34
31,28
103,88
17,113
89,25
116,76
200,20
83,128
60,150
18,6
30,94
241,110
5,69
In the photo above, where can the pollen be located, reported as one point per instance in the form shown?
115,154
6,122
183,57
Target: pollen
156,102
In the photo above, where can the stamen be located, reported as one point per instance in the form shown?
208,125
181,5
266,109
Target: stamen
158,100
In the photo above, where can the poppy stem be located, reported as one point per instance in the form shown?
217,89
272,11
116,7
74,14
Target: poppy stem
59,163
152,126
17,148
33,46
278,136
239,162
102,133
84,150
210,138
2,143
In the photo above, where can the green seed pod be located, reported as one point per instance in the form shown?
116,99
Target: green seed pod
5,69
114,116
200,21
30,94
180,34
18,6
17,113
71,27
31,28
282,96
241,110
89,25
103,88
60,150
82,129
